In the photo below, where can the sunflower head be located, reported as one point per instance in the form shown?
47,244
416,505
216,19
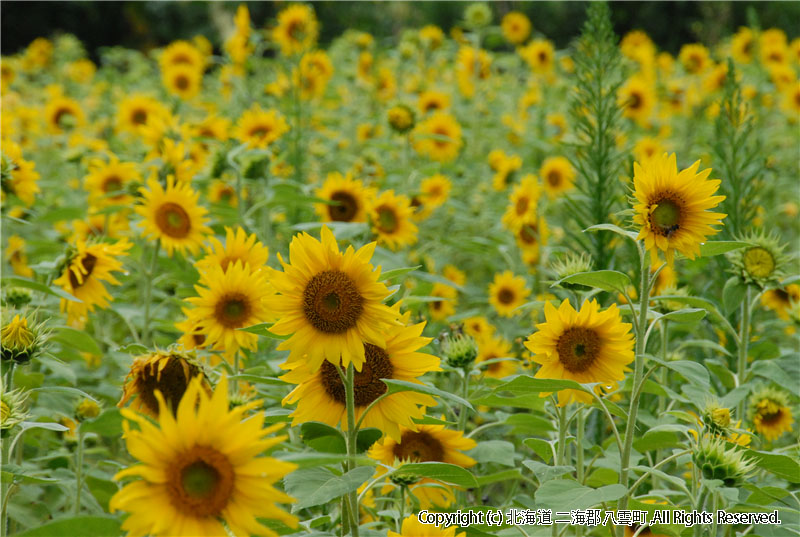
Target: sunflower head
87,409
716,461
762,262
769,411
460,350
17,297
477,15
21,339
716,419
400,118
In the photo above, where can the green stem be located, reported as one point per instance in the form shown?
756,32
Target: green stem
402,508
78,472
561,448
239,199
701,501
148,290
744,340
462,416
580,425
662,381
351,442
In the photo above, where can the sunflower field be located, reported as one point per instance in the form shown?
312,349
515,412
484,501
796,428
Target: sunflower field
454,284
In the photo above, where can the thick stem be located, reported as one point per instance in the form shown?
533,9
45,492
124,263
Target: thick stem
744,340
561,448
579,426
402,508
351,442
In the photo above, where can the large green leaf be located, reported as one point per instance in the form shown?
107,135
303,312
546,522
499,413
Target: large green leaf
77,339
36,286
440,471
566,495
396,386
546,472
497,451
712,248
317,486
782,466
607,280
525,385
109,423
85,526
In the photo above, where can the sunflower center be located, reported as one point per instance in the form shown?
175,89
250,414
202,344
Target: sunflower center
506,295
181,59
440,143
542,57
419,447
139,117
112,184
666,217
635,101
758,262
200,483
522,205
171,380
182,83
554,178
578,348
296,30
367,382
332,302
232,310
61,117
346,209
260,131
173,220
527,234
387,219
783,295
89,261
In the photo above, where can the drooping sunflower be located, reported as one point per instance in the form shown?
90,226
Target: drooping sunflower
229,299
444,308
429,443
350,195
412,527
781,300
173,216
259,128
516,27
493,348
84,273
522,203
330,302
585,346
320,395
438,137
200,467
770,413
239,246
297,29
672,209
182,80
63,114
168,372
107,182
391,216
507,292
557,176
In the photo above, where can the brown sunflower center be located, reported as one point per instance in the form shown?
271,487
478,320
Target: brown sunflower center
182,82
419,447
758,262
296,30
387,219
232,310
112,183
346,209
173,220
771,415
88,262
200,483
578,348
522,205
62,115
543,57
783,296
506,295
139,116
665,219
367,382
260,131
527,234
554,178
181,59
332,302
171,381
439,141
635,102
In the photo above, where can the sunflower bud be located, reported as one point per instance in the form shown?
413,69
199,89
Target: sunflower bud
716,418
401,118
762,262
477,15
403,479
569,265
12,409
460,350
716,461
87,409
17,297
20,342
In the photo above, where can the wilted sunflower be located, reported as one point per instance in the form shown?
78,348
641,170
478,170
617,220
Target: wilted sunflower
349,196
516,27
297,29
522,203
428,443
330,302
781,300
88,266
320,395
200,467
672,207
770,412
259,128
107,181
507,292
239,246
492,348
438,137
63,114
412,527
444,308
230,298
557,176
390,215
585,346
173,216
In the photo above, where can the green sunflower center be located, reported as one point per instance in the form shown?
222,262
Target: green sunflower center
345,209
666,217
112,183
332,302
419,447
199,479
200,482
758,262
578,348
367,382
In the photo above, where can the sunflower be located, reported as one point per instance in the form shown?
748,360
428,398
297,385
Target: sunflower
432,101
507,167
193,336
15,253
781,299
770,413
138,111
391,220
107,182
172,215
428,443
557,176
478,327
412,527
431,36
522,203
320,395
230,298
507,292
200,468
438,137
239,247
20,342
637,98
493,348
349,199
435,190
743,45
471,65
223,192
330,302
102,224
646,148
400,118
442,309
84,273
638,46
672,206
454,274
516,27
213,127
313,74
585,346
259,128
539,55
182,53
168,373
182,80
63,114
695,58
297,29
22,177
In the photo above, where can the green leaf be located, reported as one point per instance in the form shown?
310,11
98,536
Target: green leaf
64,389
540,447
525,422
14,472
396,273
440,471
262,329
322,437
525,385
132,348
36,286
85,526
545,472
258,379
505,475
497,451
429,420
686,315
109,423
732,294
614,229
607,280
367,437
49,425
764,495
782,466
77,339
691,371
712,248
566,495
331,488
396,386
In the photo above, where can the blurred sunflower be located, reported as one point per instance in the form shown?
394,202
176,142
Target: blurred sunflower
478,327
492,348
770,413
107,182
539,54
442,309
412,527
238,247
522,203
201,468
506,170
19,176
15,253
585,346
435,190
743,45
259,128
320,395
438,137
297,29
516,27
507,292
182,80
349,199
432,101
695,58
557,176
672,208
182,53
173,216
391,215
781,300
454,274
63,114
330,302
138,111
637,99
